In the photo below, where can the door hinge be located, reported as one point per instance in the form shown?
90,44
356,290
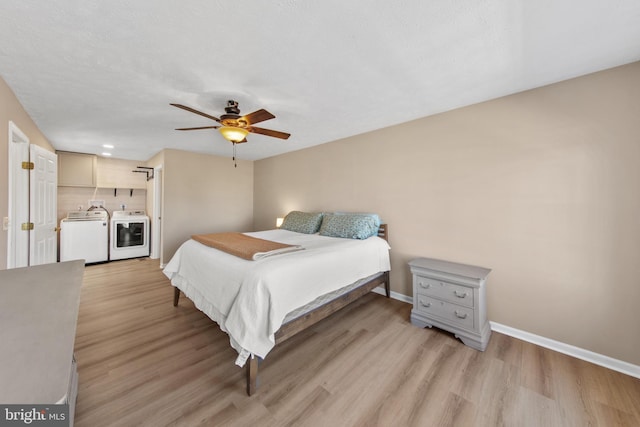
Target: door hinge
26,226
28,165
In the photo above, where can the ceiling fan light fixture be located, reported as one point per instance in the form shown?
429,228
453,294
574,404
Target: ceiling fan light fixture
233,134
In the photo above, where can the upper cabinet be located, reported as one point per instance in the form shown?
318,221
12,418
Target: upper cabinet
89,170
118,173
76,169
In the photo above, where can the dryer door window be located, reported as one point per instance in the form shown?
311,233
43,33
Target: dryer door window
129,234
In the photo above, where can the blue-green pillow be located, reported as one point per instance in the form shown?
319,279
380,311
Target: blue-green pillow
375,217
302,222
349,226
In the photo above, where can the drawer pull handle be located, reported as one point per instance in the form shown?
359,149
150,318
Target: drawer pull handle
427,286
460,316
427,305
460,294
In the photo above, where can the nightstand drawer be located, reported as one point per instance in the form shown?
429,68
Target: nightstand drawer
456,294
452,313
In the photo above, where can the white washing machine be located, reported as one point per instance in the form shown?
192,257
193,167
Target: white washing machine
129,235
85,235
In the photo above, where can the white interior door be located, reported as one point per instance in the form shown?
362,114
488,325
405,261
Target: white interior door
18,239
43,183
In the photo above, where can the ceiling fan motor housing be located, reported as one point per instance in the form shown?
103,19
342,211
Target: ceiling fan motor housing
233,115
232,107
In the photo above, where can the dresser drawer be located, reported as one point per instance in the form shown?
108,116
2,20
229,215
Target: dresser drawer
456,294
451,313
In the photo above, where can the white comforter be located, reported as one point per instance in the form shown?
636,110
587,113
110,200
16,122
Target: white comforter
250,299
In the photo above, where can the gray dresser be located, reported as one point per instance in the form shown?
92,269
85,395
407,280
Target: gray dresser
452,297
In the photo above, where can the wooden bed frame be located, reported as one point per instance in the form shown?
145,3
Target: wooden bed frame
289,329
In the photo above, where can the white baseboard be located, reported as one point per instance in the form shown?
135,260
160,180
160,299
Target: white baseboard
577,352
395,295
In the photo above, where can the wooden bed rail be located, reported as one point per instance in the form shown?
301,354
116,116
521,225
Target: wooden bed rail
291,328
307,320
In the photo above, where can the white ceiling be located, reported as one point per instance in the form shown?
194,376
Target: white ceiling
95,72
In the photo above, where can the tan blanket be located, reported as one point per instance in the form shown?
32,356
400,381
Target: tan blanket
243,246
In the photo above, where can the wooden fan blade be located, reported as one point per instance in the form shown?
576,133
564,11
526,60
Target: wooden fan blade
184,107
257,117
201,127
269,132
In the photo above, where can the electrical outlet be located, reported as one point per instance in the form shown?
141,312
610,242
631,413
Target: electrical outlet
96,203
5,223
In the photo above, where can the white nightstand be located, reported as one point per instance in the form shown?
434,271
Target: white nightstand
451,296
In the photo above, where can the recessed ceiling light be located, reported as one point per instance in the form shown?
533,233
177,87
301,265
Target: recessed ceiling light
106,154
107,145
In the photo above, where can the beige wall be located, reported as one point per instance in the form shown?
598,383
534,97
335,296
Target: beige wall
542,186
11,110
203,194
71,198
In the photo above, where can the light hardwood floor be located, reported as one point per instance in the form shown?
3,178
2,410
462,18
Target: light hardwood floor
143,362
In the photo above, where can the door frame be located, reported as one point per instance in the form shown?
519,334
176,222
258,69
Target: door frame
17,239
156,221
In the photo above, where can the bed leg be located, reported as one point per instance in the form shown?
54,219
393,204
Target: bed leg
252,374
387,284
176,296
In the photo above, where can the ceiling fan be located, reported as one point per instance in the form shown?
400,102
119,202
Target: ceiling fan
235,127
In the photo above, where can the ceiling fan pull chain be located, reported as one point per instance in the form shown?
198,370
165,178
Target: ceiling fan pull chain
235,164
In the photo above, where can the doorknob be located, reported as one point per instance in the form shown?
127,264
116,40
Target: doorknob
56,229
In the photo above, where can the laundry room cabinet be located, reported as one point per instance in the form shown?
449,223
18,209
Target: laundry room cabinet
89,170
77,169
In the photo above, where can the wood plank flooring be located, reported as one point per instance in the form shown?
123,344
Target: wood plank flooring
143,362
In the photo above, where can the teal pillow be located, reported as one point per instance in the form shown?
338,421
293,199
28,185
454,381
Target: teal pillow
302,222
375,217
349,226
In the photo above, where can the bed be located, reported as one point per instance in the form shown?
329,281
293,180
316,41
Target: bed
265,301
